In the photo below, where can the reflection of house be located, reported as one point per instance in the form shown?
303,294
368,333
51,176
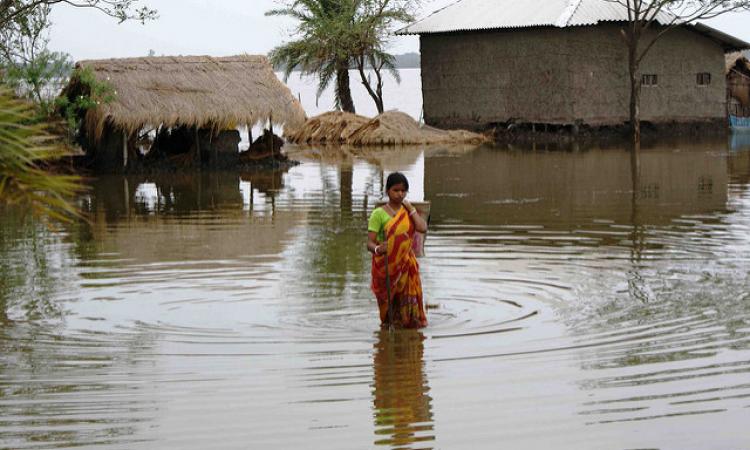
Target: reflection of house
738,84
562,190
558,61
188,99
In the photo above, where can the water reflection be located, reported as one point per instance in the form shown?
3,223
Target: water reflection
596,297
739,166
562,189
402,405
739,141
30,262
114,197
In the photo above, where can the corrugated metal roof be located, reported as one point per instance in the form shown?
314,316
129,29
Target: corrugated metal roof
467,15
471,15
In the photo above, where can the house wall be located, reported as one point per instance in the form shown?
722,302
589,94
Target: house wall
561,75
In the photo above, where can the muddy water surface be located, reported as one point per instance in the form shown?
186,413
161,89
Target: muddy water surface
573,303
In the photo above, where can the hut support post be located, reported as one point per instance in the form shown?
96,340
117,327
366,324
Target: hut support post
197,156
124,149
269,139
214,151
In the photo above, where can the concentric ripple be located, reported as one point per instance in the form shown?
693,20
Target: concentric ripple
572,304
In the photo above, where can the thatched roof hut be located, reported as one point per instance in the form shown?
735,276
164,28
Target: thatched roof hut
195,102
738,83
193,91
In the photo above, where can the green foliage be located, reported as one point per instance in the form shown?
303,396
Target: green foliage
334,35
122,10
88,92
40,79
25,149
26,64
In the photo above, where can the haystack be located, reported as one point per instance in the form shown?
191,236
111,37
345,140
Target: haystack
389,128
328,128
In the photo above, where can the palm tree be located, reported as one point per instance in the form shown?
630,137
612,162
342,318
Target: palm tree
323,46
25,150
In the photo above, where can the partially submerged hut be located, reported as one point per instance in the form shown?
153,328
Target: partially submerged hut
194,102
563,62
738,84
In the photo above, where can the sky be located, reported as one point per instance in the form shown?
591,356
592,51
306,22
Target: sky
221,28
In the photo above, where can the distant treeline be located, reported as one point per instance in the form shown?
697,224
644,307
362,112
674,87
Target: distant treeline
405,61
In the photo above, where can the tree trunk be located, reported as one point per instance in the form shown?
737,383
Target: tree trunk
379,91
635,113
635,92
377,95
343,92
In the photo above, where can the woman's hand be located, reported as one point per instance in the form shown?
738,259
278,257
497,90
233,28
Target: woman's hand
373,245
419,223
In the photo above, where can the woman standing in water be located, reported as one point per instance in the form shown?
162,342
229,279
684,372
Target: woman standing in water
395,270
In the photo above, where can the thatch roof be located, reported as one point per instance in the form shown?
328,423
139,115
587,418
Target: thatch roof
738,62
389,128
200,91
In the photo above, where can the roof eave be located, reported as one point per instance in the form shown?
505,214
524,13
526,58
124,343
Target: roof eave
728,42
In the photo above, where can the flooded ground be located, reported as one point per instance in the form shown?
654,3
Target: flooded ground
573,303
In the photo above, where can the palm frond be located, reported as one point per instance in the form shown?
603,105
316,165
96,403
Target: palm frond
25,149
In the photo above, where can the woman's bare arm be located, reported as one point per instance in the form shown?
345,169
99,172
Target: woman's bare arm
419,224
373,246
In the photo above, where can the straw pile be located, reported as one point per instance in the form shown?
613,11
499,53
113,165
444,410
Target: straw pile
194,91
389,128
738,78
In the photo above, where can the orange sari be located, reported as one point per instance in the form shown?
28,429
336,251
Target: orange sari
403,274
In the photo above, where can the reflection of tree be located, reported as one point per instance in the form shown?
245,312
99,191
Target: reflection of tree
403,411
27,274
346,180
335,245
637,235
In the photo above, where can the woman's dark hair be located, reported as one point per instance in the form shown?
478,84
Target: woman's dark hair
396,178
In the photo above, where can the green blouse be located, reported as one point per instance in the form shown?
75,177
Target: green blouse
377,222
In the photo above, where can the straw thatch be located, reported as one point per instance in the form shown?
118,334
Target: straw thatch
738,80
389,128
194,91
737,62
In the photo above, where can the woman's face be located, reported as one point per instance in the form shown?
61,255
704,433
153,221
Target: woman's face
397,193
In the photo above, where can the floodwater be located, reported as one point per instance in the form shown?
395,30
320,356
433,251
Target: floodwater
573,303
404,94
